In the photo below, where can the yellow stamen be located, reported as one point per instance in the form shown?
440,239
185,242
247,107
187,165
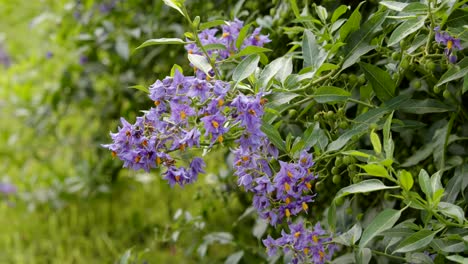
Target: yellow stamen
305,206
287,187
190,51
252,112
158,161
215,124
288,200
287,213
263,101
183,115
245,158
306,251
297,234
114,154
208,78
144,143
220,102
157,102
137,158
308,185
128,133
177,178
290,175
449,44
182,147
257,38
220,139
315,239
225,35
322,255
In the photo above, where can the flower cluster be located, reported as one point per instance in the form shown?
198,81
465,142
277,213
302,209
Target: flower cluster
228,38
450,43
306,246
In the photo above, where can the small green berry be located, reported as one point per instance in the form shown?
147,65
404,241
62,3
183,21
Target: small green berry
336,179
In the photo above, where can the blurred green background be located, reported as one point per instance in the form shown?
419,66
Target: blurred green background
65,72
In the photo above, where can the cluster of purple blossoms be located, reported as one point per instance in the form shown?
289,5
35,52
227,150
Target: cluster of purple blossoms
306,246
166,127
450,43
228,38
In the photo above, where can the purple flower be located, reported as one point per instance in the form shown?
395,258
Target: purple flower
83,60
180,112
7,188
256,39
451,43
270,245
49,55
200,89
214,125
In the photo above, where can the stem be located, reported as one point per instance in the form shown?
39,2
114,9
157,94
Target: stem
387,255
360,102
431,29
198,41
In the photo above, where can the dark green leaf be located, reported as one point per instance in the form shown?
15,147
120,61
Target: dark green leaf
363,187
383,221
274,136
406,28
416,241
245,68
338,13
331,94
425,106
312,52
461,70
382,83
352,24
214,46
210,24
140,87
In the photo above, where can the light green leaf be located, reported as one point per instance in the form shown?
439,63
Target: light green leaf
406,28
458,259
425,106
126,257
389,146
274,136
382,83
211,24
270,71
436,185
242,34
375,140
200,62
416,8
457,72
406,180
418,258
397,6
140,87
356,153
350,237
176,4
248,51
175,68
162,41
311,135
246,68
214,46
314,55
452,211
383,221
235,257
121,47
375,170
362,255
260,227
425,183
331,94
363,187
339,12
352,24
416,241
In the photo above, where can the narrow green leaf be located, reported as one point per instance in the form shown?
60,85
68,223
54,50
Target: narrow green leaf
140,87
352,24
295,8
421,154
388,141
331,216
245,68
270,71
425,106
383,221
162,41
406,180
200,62
311,136
416,8
356,153
461,70
331,94
322,13
406,28
375,140
214,46
382,83
274,136
366,186
211,24
425,183
393,5
416,241
458,259
362,255
175,68
234,258
242,34
350,237
248,51
338,13
453,211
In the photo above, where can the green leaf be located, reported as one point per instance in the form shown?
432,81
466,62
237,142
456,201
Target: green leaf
314,55
436,185
214,46
322,139
417,8
235,257
465,84
339,12
425,183
397,6
331,94
246,68
350,237
363,187
311,136
421,154
200,62
331,215
375,140
126,257
260,227
425,106
452,211
176,4
362,255
162,41
406,28
322,13
270,71
356,153
382,83
406,180
383,221
389,146
213,23
274,136
458,259
457,72
248,51
242,34
416,241
352,24
175,68
418,258
359,41
140,87
375,170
